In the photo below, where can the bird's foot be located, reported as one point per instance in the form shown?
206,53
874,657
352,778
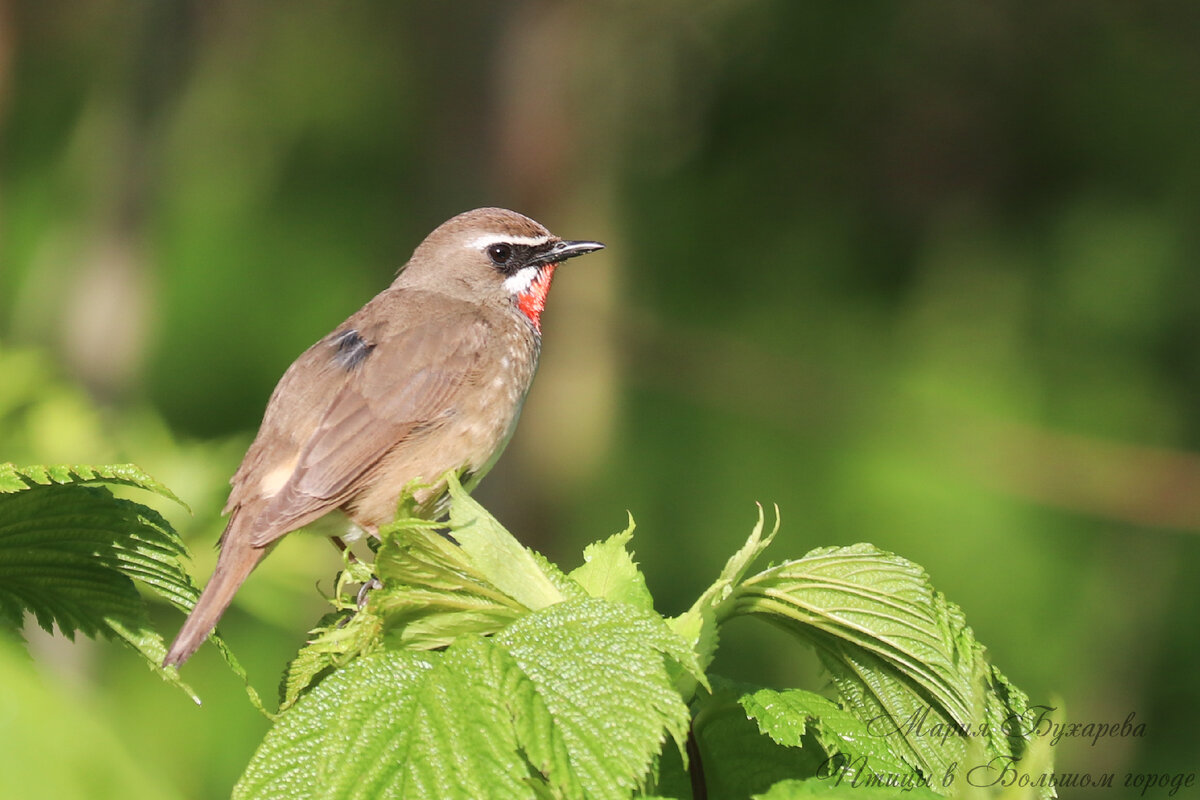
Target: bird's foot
366,589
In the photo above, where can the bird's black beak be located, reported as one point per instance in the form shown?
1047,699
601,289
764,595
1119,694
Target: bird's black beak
562,250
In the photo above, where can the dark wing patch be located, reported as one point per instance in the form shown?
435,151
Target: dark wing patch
350,349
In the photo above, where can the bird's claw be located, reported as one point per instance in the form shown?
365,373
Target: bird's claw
366,589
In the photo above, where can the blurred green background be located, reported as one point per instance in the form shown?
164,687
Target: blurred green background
923,274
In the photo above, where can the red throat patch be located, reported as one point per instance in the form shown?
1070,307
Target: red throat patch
532,301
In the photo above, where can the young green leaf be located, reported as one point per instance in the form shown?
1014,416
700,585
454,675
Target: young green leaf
515,570
919,731
734,757
602,670
609,571
849,745
432,590
347,737
336,640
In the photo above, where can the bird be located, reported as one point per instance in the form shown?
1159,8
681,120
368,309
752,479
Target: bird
427,378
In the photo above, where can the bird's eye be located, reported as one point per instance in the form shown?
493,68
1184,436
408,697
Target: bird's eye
500,253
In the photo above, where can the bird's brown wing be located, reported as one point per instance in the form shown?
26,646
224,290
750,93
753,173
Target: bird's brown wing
347,402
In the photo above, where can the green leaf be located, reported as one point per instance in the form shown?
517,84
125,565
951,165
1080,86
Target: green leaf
609,571
17,479
337,639
601,669
900,656
880,603
572,700
70,552
432,591
849,745
918,730
338,738
735,757
515,570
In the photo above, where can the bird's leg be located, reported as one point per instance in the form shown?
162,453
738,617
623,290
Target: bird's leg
366,589
343,548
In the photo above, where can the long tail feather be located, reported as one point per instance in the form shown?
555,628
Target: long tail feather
237,560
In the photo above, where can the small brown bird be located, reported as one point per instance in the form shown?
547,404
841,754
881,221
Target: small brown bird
427,377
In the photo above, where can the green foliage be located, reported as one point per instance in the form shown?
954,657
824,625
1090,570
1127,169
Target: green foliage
572,699
791,716
900,656
474,667
70,552
737,758
871,266
534,683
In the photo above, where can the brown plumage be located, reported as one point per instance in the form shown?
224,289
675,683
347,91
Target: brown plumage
427,377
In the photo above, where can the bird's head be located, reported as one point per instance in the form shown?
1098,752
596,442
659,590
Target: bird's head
492,255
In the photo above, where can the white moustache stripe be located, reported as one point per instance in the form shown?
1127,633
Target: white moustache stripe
480,242
520,281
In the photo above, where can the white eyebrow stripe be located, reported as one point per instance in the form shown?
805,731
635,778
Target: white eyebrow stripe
520,281
480,242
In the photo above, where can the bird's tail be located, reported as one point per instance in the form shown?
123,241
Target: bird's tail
237,560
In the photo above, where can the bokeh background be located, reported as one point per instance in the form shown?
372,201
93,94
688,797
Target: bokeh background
924,274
